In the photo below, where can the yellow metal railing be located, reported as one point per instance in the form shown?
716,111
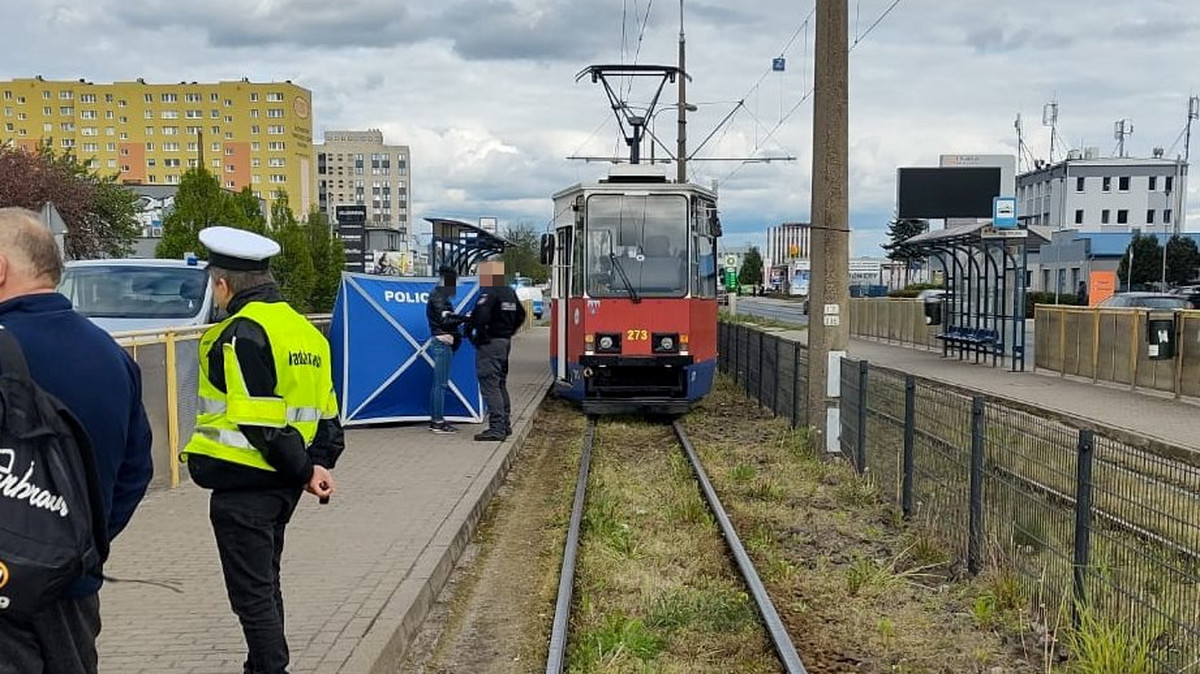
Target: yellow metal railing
169,361
1111,345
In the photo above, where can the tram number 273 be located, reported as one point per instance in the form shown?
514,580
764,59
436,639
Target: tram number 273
637,335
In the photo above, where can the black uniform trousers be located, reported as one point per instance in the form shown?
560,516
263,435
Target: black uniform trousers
249,526
491,366
60,640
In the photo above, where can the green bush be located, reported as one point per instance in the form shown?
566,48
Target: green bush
914,289
1032,298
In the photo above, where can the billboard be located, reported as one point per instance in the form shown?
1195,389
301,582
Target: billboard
941,193
352,229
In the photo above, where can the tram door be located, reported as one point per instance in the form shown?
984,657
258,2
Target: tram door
564,243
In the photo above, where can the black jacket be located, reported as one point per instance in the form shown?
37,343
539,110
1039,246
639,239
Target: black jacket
283,448
497,314
439,311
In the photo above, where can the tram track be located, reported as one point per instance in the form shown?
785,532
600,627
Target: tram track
559,638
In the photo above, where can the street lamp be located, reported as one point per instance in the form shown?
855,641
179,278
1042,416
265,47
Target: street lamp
671,106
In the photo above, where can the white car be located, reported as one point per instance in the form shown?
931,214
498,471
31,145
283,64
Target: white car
528,292
140,294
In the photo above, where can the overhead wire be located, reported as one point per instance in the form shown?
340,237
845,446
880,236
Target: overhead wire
857,41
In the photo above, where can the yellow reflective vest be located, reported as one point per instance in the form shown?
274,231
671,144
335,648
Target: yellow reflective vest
303,391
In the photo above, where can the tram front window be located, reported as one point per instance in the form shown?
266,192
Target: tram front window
637,245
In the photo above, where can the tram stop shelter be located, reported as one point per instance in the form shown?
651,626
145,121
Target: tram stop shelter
382,368
461,245
982,313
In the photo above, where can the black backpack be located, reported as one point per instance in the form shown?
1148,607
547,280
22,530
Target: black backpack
52,520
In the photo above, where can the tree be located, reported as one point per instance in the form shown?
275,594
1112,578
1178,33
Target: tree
1147,261
293,266
199,202
900,230
1183,260
329,260
247,211
100,215
522,254
752,268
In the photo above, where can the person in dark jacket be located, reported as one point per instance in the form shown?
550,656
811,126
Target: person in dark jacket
444,341
70,358
267,430
497,316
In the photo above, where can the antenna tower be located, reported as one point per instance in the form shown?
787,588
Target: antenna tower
1050,119
1193,114
1122,129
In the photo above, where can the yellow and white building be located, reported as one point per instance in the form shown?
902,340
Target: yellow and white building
247,133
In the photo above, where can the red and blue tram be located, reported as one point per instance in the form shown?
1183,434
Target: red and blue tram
634,292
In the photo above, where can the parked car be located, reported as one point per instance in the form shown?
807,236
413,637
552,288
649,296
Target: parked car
140,294
1147,300
1192,293
527,291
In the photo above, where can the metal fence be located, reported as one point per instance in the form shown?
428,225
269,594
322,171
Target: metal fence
1087,515
1111,345
894,320
770,367
170,365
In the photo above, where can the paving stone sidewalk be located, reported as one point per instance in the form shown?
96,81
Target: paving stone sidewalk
357,573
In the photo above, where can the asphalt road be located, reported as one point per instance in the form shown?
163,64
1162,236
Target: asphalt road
783,311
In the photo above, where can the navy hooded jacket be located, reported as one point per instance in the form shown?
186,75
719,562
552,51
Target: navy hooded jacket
80,364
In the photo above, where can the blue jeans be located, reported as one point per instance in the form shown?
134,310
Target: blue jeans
441,375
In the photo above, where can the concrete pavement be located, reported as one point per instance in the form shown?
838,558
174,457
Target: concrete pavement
359,574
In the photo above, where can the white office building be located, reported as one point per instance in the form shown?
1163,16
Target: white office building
788,242
1097,194
356,167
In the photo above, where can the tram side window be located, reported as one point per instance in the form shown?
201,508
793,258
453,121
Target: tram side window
577,266
705,279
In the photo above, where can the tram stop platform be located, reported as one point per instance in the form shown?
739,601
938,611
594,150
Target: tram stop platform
359,574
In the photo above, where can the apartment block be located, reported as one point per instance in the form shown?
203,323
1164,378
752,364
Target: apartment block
357,167
248,133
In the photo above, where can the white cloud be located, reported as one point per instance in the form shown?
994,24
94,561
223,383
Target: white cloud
484,91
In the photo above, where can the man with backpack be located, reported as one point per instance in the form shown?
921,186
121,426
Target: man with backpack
106,444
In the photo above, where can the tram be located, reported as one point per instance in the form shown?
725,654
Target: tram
633,305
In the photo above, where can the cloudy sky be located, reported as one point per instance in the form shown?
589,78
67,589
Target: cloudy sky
484,91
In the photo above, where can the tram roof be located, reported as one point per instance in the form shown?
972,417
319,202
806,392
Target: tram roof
635,177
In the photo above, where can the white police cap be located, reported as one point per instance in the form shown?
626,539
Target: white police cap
238,249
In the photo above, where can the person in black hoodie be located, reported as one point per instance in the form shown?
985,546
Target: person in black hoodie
70,357
445,339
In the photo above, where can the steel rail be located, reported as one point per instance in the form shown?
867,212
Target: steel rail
779,635
556,657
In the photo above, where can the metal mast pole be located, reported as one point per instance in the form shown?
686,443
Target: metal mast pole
681,140
828,331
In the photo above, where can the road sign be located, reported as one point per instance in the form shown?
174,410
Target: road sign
730,260
1004,212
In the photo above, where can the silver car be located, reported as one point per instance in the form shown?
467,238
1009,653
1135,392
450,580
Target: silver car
140,294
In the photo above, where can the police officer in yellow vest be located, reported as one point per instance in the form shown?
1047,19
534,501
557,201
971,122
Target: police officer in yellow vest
267,430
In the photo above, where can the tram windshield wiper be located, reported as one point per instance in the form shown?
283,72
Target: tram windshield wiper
616,263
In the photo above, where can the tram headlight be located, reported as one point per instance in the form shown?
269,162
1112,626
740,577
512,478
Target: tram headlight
608,343
665,342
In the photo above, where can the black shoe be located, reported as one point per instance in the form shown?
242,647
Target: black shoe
508,432
442,428
490,436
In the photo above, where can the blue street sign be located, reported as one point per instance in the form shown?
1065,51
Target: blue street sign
778,64
1004,212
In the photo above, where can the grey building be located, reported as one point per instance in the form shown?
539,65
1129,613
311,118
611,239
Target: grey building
1087,192
356,167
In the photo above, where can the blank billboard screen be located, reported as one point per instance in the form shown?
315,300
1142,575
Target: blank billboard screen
939,193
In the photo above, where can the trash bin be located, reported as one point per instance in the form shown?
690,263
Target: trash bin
933,309
1160,336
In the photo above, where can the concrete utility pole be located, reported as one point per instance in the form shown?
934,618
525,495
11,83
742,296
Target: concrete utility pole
828,323
681,141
